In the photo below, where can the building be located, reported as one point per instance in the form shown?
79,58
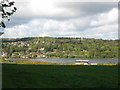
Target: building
93,63
85,62
4,54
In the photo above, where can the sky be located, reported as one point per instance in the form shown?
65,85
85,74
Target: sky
64,18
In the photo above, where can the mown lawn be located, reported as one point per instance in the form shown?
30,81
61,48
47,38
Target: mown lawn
56,76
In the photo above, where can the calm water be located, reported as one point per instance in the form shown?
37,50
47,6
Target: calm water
69,60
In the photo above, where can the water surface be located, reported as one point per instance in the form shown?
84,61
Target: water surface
68,60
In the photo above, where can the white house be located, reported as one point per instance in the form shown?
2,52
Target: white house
4,54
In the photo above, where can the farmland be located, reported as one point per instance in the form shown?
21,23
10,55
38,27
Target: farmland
59,76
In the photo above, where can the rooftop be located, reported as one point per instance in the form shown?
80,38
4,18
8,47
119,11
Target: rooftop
83,60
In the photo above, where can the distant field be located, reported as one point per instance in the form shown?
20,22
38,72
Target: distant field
59,76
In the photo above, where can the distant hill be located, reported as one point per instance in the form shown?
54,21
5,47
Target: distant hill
62,47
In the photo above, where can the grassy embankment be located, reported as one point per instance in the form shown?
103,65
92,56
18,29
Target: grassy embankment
59,76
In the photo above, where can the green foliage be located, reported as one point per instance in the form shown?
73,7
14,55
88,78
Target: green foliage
63,47
4,4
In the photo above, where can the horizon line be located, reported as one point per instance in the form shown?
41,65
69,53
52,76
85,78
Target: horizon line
57,37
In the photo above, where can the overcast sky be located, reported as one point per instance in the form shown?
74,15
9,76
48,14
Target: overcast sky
56,18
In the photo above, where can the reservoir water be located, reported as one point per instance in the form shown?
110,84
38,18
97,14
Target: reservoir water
69,60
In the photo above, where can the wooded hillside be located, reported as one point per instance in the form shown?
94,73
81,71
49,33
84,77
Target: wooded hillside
49,47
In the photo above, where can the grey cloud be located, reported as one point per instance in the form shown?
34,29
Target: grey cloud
71,10
89,8
16,21
75,21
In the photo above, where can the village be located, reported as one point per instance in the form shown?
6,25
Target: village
29,47
58,48
24,55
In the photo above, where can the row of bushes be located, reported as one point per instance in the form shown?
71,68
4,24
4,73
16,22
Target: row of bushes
34,62
109,64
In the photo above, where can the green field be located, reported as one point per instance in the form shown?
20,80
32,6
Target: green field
56,76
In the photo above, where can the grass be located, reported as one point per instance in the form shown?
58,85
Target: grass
59,76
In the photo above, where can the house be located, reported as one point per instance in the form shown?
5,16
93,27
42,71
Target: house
42,49
85,62
14,54
84,50
4,54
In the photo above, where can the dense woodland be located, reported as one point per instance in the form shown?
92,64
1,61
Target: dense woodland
50,47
